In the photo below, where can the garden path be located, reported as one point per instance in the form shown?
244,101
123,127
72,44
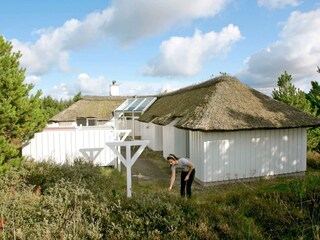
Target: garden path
147,171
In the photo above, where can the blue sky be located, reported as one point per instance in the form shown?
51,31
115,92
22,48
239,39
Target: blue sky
149,46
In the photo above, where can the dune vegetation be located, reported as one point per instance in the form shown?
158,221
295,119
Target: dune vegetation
83,201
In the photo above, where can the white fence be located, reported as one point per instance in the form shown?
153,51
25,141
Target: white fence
65,144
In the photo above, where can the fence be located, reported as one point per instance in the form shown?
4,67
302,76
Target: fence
65,144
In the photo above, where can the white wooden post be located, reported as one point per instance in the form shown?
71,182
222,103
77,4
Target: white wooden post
91,156
121,139
129,161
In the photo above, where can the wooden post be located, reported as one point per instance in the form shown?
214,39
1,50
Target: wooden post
91,156
128,161
121,139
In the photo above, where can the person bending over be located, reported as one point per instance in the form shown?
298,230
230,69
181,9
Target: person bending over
187,173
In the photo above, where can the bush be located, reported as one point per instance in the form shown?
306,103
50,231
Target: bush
83,201
313,160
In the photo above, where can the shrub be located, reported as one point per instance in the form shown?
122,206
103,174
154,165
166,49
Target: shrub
83,201
313,161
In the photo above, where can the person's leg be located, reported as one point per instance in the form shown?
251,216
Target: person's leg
189,182
183,183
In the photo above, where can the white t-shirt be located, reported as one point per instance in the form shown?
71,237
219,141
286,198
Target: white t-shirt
182,163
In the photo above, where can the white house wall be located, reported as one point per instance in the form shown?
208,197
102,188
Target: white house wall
197,153
154,134
61,145
174,140
222,156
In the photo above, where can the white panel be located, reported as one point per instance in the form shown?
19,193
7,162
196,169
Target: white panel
196,154
224,162
252,171
237,158
267,150
158,138
180,142
291,152
61,145
232,157
168,141
247,154
154,134
242,142
275,151
303,150
174,140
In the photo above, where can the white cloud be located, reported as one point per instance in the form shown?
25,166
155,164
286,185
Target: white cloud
53,47
185,55
278,3
297,52
32,79
126,21
132,88
85,84
132,20
61,91
92,86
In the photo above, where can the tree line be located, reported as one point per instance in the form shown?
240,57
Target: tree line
22,114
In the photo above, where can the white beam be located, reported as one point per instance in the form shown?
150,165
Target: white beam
129,161
90,153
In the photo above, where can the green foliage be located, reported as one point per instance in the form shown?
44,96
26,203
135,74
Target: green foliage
314,96
84,201
308,103
53,106
290,95
21,114
313,160
314,139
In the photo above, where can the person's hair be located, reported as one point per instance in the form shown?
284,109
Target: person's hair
172,156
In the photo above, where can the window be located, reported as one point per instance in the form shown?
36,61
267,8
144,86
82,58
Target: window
86,121
92,122
81,121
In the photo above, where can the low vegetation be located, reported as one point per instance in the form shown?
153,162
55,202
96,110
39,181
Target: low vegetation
83,201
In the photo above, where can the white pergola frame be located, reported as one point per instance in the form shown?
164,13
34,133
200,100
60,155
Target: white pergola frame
135,104
129,160
90,153
93,153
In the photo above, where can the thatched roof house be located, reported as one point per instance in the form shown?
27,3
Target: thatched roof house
229,131
98,108
225,104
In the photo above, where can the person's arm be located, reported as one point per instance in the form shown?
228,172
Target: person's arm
173,178
191,167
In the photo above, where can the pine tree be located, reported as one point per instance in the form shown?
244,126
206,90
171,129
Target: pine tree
314,95
21,114
290,95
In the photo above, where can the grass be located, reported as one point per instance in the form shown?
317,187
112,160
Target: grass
83,201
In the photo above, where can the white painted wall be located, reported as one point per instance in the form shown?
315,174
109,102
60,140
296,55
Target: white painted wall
154,134
221,156
63,144
175,140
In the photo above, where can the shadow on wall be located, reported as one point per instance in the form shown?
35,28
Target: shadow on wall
255,153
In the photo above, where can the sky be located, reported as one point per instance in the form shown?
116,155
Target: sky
152,46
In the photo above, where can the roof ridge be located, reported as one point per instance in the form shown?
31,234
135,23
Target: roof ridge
207,83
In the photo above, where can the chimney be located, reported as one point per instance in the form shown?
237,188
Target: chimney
114,89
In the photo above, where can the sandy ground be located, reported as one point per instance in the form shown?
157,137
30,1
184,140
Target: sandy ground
146,171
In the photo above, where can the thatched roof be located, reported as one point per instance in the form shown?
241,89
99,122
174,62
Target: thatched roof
100,108
224,104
